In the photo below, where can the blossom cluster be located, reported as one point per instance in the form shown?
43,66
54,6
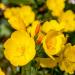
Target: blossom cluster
20,48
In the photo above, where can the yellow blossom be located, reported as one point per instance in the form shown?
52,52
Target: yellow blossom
68,18
67,66
56,6
69,53
27,15
52,25
11,12
34,28
19,17
20,48
67,63
17,23
1,72
53,42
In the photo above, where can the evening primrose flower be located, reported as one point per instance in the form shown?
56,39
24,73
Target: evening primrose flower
53,43
20,17
67,66
27,15
69,53
68,18
11,12
68,62
20,48
1,72
56,6
34,28
52,25
17,23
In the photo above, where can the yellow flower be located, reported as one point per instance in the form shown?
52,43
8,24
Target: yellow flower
67,63
56,6
20,48
52,25
35,28
46,62
20,17
17,23
11,12
68,18
69,53
2,6
1,72
27,15
53,43
67,66
14,18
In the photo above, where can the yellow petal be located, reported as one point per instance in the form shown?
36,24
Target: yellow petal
1,72
46,62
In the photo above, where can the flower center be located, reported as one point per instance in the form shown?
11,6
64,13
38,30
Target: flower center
50,43
20,51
